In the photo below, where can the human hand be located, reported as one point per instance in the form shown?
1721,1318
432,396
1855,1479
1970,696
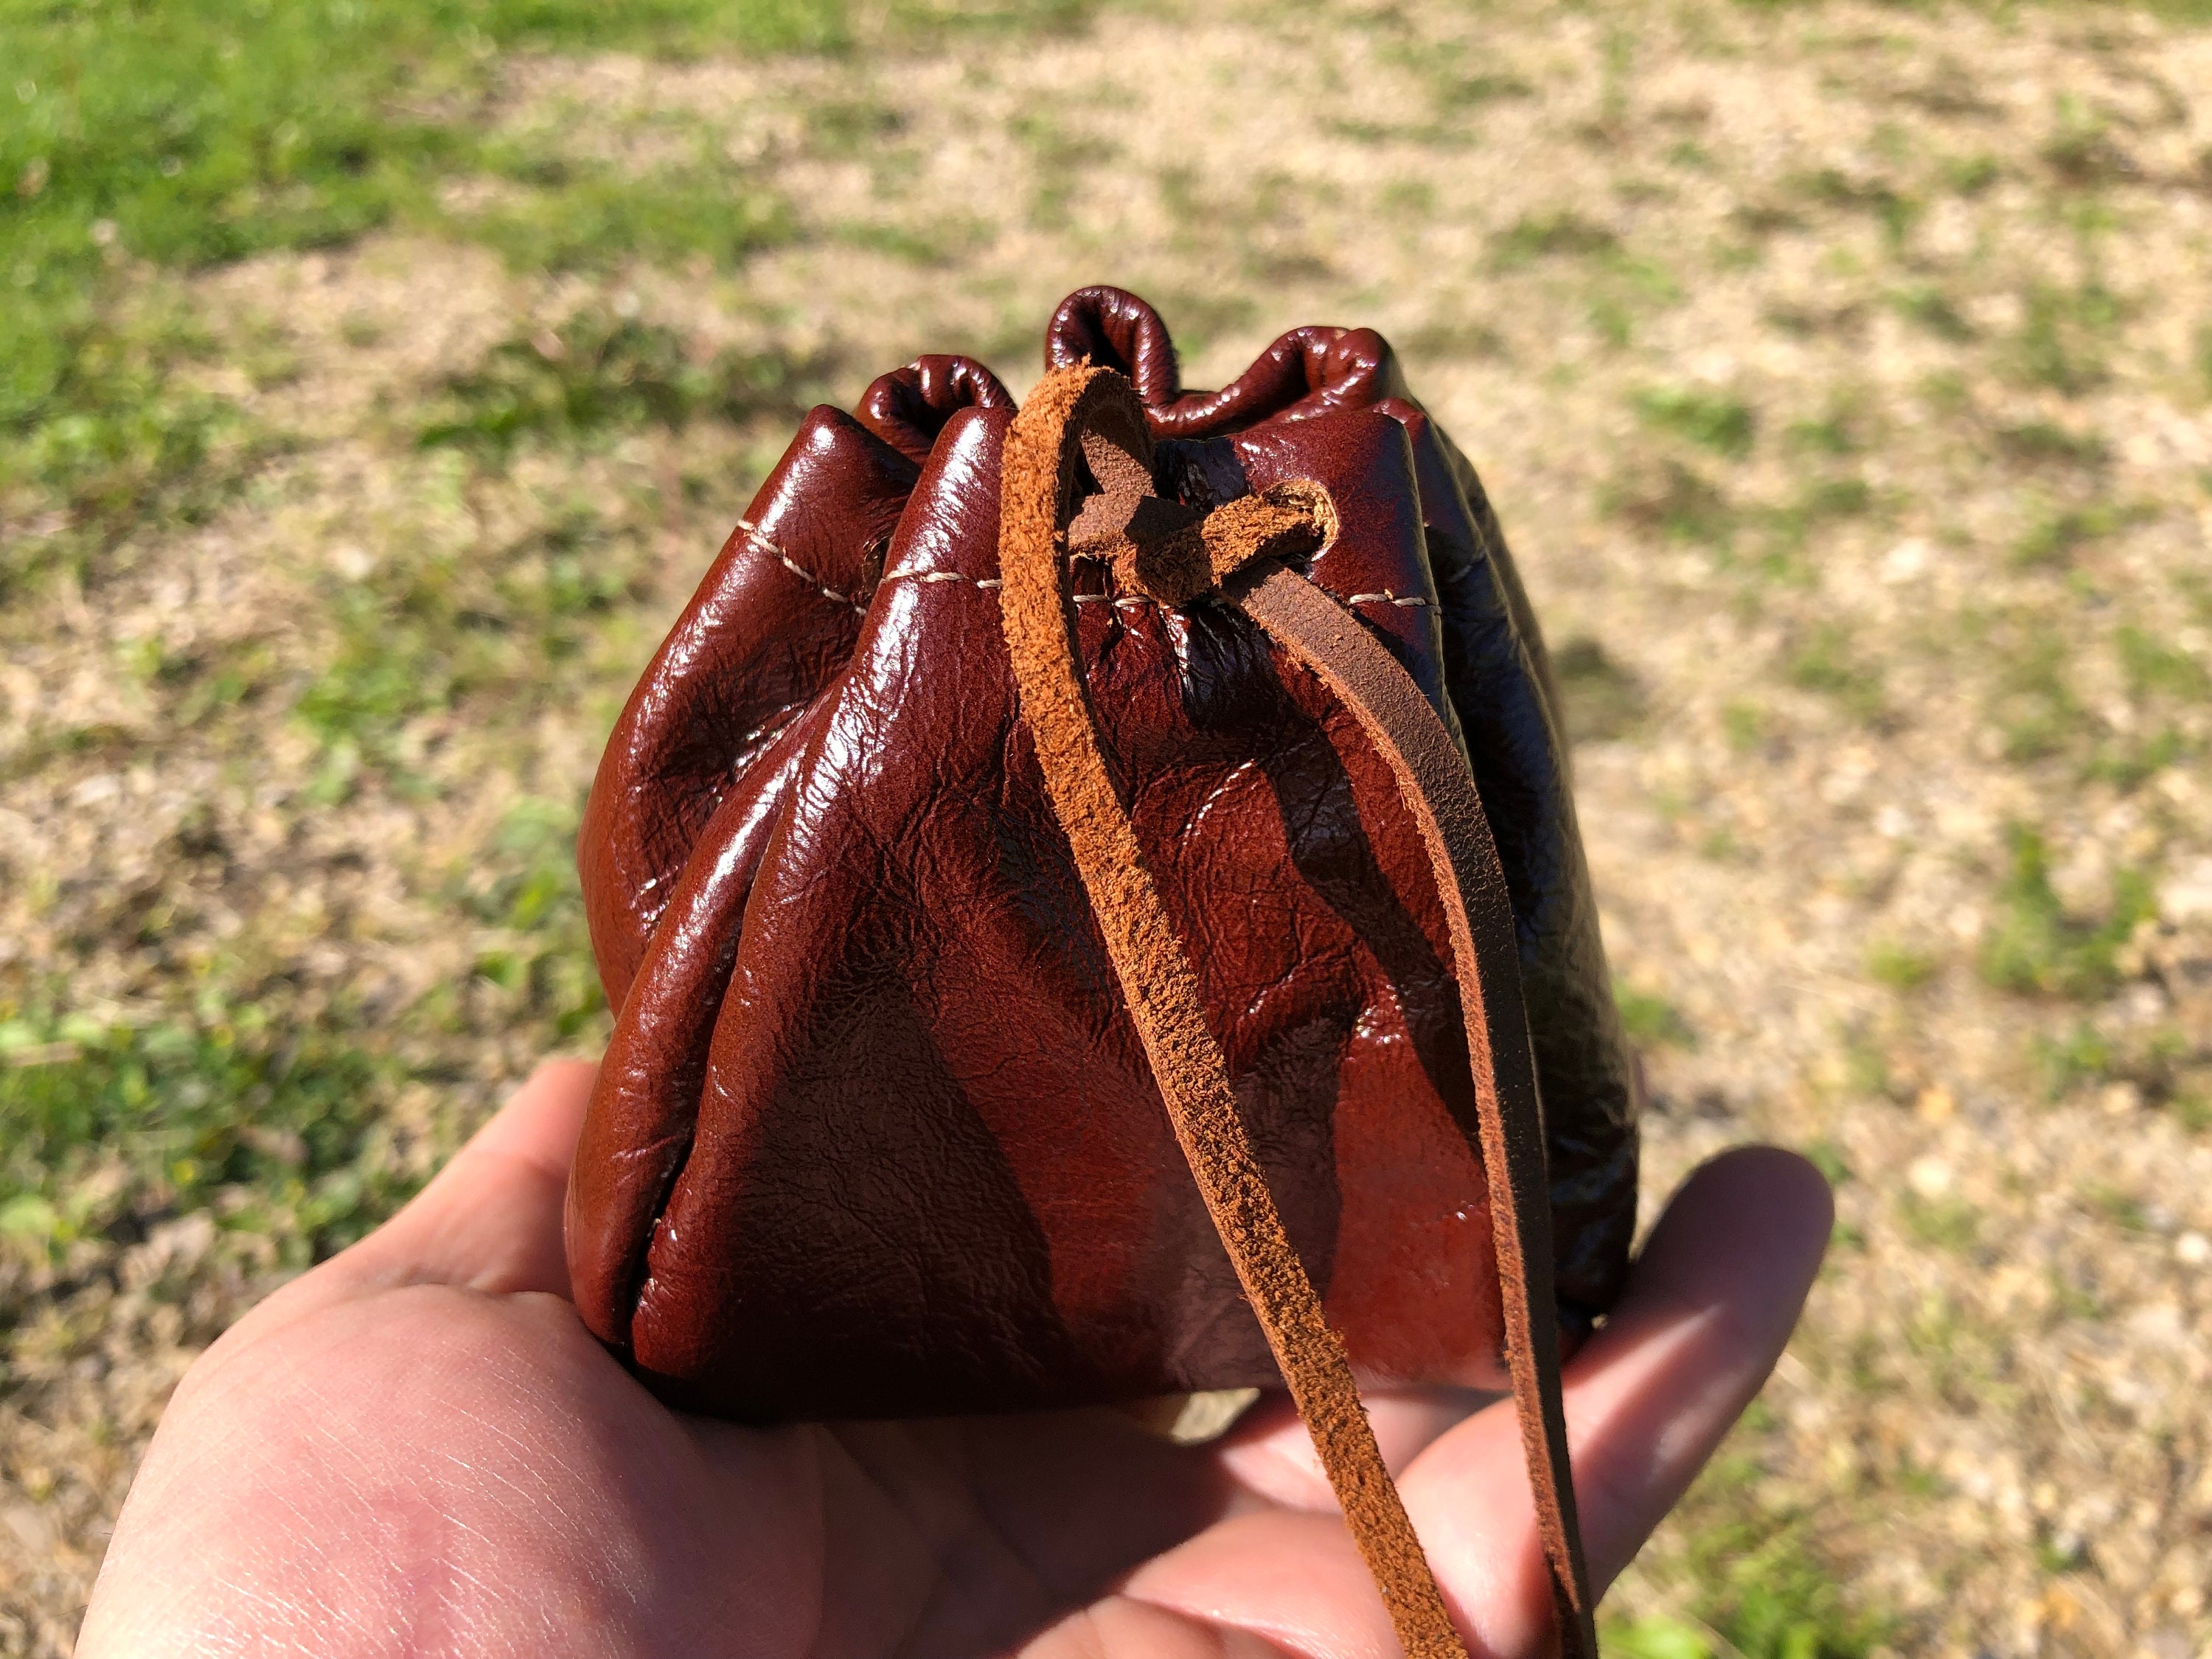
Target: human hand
417,1448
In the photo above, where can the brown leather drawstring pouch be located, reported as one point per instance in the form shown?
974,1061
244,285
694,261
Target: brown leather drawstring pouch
1093,907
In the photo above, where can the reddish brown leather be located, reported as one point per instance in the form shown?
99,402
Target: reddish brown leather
874,1136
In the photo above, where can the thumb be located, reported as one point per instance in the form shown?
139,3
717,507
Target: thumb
490,1222
491,1219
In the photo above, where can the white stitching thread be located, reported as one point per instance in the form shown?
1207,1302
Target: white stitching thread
1386,597
916,573
913,573
754,534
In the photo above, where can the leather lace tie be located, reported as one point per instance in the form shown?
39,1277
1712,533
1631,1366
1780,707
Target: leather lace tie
1082,417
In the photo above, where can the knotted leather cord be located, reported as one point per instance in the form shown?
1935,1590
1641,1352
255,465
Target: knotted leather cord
1082,412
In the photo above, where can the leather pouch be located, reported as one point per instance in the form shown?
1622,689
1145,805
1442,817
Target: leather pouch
900,905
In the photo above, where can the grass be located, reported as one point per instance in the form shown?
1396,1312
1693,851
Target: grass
435,631
2034,948
1790,527
102,429
282,1126
1671,498
144,138
1901,967
2081,1055
1603,699
2056,536
1565,233
568,218
1836,433
1828,660
2062,340
178,136
1449,338
2037,443
2123,1210
598,372
387,670
539,968
1865,1069
2160,1063
2154,667
2129,761
1457,91
1945,1223
109,1127
2190,1103
2034,705
1972,175
2082,152
1723,424
1745,725
1830,187
1932,309
1622,288
1826,1156
1651,1021
1755,1588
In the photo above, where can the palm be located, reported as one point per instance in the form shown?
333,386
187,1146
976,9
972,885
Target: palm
418,1448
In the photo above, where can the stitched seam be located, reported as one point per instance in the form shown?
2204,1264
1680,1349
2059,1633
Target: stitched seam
1130,601
914,572
754,535
642,1273
1386,597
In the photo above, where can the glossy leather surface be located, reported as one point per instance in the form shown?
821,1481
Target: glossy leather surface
874,1136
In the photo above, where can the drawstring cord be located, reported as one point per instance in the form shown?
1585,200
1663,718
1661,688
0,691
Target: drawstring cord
1173,554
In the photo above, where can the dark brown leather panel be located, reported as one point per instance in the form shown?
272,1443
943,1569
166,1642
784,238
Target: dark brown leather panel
759,639
875,1136
1502,685
646,1100
910,1198
1380,554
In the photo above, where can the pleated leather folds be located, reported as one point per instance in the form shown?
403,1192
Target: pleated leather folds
874,1136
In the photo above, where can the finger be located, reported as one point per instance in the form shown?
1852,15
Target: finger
491,1219
1272,1457
1118,1625
1290,1579
1719,1289
1709,1305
